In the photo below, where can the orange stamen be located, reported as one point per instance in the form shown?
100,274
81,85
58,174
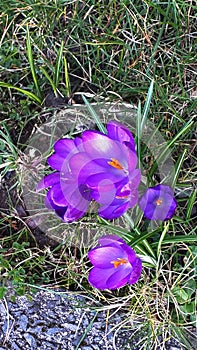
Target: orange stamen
116,164
119,261
159,201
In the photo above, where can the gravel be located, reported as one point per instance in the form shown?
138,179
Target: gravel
64,321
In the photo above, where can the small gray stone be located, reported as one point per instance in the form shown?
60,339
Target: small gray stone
23,321
54,330
35,330
71,318
6,325
30,340
69,326
15,346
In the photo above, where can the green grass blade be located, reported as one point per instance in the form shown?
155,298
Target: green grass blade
139,239
179,332
179,239
144,241
58,65
86,332
7,139
22,91
50,80
67,80
138,127
146,106
191,203
183,130
5,165
95,116
129,220
165,230
178,166
31,62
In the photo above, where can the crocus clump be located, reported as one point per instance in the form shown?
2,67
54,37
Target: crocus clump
97,166
115,264
158,203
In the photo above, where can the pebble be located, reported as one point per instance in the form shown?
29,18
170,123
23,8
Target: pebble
15,346
52,331
30,340
23,321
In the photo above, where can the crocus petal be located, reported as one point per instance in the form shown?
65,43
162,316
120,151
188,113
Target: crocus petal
49,201
119,132
98,277
56,161
128,187
101,146
58,196
133,199
171,210
64,146
135,178
136,272
131,256
82,166
113,212
110,239
59,210
76,195
119,277
79,144
105,191
104,256
73,214
66,212
48,180
104,181
164,189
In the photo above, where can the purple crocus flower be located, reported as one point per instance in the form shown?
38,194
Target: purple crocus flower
115,264
96,166
158,203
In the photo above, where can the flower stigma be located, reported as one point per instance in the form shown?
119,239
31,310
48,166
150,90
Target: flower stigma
159,201
116,164
119,261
